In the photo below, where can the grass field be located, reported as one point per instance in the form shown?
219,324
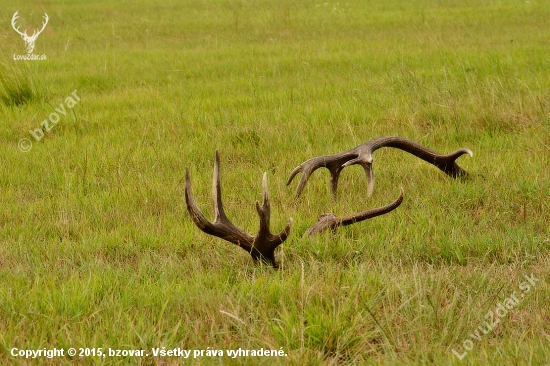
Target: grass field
98,250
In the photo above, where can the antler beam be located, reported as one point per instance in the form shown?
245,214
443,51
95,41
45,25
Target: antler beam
15,26
362,155
330,221
262,246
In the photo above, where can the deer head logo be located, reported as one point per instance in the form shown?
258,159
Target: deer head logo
29,40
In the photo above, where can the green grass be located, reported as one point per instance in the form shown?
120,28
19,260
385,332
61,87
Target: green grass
16,86
98,250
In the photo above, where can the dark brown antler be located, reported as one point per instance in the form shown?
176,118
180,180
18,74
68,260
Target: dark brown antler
362,155
262,246
330,221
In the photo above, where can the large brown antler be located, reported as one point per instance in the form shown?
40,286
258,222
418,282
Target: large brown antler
262,246
362,155
330,221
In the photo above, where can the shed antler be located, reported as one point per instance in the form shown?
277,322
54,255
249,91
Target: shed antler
362,155
330,221
262,246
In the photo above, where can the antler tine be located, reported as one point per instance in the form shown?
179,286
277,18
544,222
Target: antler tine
330,221
217,205
15,26
262,246
221,227
266,250
362,155
334,164
303,168
46,18
35,32
264,211
370,179
449,165
196,215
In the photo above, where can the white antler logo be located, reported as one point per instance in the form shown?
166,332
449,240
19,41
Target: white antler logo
29,40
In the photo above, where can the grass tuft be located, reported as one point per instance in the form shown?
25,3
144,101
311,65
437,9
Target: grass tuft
16,84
